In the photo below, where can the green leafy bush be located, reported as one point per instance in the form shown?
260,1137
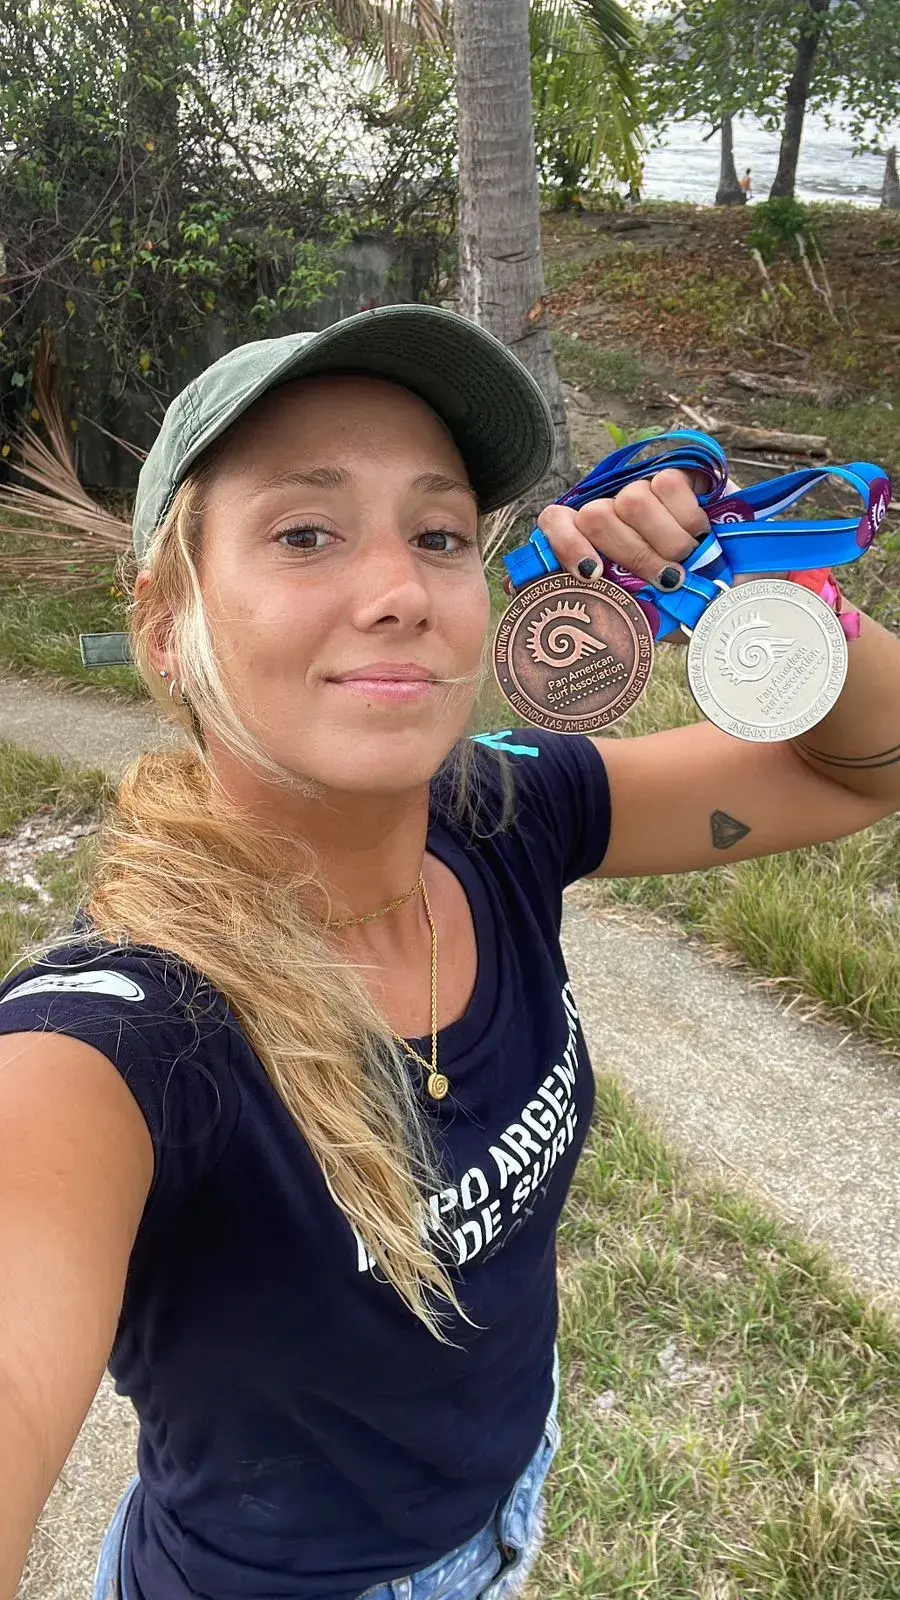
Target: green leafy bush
776,224
169,167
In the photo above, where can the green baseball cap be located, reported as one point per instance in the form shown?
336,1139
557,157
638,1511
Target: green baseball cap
481,391
488,400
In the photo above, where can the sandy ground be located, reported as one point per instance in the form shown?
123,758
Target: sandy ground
799,1112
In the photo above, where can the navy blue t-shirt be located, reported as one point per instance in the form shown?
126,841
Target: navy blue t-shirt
302,1435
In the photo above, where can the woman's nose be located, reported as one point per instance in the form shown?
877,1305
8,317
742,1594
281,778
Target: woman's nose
390,585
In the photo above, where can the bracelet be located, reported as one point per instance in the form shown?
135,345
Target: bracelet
822,582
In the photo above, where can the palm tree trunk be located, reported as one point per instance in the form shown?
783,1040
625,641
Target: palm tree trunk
890,189
797,96
501,271
729,192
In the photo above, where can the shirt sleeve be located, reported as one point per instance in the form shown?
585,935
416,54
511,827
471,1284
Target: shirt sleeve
164,1030
561,797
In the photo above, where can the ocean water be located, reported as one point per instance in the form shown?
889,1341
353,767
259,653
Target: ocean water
684,168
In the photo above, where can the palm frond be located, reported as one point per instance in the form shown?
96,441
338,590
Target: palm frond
430,22
613,28
383,33
53,502
607,39
593,89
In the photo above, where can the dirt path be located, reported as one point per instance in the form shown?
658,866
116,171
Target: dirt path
805,1114
95,730
799,1112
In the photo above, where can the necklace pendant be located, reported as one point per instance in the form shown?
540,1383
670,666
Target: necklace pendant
438,1085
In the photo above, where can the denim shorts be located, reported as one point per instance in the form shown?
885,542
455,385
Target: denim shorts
493,1565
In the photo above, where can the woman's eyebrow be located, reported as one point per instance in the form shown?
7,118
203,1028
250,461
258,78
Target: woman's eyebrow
340,478
441,483
315,478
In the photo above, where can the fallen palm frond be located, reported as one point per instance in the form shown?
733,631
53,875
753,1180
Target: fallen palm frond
53,504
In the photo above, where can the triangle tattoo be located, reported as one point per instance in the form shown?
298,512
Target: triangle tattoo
726,830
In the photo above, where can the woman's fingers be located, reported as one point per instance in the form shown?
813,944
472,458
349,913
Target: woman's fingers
674,490
570,544
650,528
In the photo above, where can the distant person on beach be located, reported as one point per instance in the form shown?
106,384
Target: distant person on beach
745,185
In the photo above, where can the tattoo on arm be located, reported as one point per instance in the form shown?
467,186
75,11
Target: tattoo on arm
879,758
726,830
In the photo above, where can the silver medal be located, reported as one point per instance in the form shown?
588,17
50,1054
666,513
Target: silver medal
767,660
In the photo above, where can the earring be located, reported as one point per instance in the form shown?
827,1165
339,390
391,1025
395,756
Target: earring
173,687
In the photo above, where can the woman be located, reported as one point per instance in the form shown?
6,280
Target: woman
328,1285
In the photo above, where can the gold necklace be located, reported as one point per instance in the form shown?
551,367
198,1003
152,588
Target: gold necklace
371,916
437,1083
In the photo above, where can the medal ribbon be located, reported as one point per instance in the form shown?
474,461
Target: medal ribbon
748,530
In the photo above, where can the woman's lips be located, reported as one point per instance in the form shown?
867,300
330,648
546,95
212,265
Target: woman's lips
387,688
387,680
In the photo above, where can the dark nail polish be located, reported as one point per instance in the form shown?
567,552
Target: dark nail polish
587,567
670,578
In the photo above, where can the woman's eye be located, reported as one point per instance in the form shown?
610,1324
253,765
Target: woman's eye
305,539
443,541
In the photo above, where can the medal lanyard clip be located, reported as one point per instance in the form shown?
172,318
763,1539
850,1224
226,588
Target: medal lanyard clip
531,561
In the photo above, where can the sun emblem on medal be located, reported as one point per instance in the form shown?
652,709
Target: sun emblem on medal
561,635
743,655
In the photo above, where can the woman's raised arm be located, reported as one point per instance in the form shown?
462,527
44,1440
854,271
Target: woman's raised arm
76,1162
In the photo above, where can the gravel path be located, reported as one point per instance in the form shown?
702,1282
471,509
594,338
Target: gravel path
97,730
799,1112
803,1113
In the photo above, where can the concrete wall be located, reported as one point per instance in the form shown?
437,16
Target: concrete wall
375,271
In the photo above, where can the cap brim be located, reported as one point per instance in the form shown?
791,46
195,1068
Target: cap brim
490,403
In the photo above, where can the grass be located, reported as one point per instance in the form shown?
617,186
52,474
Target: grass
561,273
591,366
32,785
860,430
41,789
39,628
40,621
825,922
730,1408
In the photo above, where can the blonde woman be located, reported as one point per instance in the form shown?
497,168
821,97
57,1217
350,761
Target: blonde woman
287,1127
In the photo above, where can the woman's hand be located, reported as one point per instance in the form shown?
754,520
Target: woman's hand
649,528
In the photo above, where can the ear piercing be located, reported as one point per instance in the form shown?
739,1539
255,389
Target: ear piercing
173,689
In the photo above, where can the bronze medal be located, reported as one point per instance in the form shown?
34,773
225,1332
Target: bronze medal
573,657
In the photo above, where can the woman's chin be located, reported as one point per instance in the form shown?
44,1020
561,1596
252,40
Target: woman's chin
384,764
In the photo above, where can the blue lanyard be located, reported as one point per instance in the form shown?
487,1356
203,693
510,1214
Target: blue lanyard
744,536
